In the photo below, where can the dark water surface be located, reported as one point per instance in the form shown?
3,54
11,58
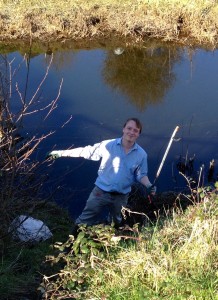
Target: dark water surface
162,86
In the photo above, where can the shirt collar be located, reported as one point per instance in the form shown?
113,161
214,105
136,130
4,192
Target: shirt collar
134,147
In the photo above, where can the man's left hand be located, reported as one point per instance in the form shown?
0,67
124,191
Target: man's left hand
152,190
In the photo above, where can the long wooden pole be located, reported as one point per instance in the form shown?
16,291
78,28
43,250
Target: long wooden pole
165,154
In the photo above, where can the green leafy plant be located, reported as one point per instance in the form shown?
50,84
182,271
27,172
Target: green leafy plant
80,258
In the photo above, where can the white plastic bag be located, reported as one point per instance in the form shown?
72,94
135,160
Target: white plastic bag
28,229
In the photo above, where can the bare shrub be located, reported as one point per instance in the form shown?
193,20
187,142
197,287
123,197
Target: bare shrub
21,177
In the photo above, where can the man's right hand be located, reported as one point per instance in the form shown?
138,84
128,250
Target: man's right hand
54,154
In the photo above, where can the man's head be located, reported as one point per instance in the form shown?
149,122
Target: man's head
131,130
137,123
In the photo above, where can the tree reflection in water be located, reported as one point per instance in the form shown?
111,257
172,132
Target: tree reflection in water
144,75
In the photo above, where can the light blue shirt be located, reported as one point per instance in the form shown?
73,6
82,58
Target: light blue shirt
118,170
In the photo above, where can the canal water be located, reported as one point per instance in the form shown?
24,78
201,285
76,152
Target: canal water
99,89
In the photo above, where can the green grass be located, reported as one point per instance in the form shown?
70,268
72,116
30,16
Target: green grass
172,265
174,259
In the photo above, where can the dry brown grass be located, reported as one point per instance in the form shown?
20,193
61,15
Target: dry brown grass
183,21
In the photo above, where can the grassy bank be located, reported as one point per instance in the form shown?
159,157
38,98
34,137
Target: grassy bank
184,21
175,258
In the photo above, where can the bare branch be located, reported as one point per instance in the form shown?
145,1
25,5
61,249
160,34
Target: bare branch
37,91
67,121
55,100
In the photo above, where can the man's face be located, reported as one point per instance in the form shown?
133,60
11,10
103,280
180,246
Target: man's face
131,132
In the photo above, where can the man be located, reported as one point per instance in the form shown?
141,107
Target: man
123,162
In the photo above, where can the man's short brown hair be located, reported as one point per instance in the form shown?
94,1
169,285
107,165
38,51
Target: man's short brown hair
138,123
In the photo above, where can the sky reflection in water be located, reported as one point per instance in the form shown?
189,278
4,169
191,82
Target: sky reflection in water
163,87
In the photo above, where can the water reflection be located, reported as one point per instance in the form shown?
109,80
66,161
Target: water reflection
143,75
61,60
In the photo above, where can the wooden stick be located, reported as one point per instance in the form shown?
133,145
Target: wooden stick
165,154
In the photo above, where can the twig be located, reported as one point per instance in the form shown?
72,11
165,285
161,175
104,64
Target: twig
55,100
67,121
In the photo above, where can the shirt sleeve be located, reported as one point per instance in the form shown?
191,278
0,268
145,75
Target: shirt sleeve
87,152
142,169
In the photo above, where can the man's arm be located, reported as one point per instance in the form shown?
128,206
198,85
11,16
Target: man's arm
146,182
88,152
149,186
71,152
